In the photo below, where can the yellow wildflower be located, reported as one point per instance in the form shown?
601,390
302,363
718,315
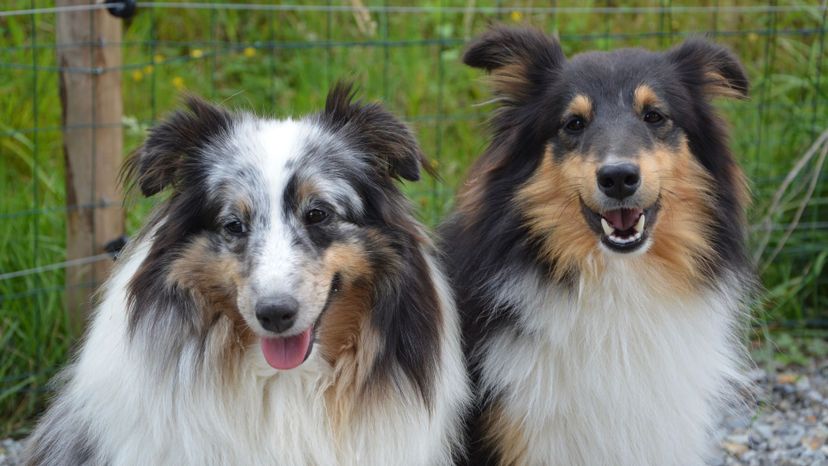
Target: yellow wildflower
516,16
178,82
196,53
249,52
149,69
137,75
158,58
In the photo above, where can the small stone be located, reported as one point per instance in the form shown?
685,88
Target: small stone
796,452
792,440
803,383
741,439
786,378
814,443
735,449
784,389
775,444
755,440
764,430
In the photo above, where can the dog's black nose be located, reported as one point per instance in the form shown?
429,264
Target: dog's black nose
277,314
619,180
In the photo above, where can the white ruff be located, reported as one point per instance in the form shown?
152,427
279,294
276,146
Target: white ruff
140,415
619,372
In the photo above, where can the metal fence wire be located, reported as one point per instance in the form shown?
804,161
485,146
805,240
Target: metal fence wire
281,59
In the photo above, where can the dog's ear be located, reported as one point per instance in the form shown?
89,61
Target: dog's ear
710,67
519,60
173,143
389,143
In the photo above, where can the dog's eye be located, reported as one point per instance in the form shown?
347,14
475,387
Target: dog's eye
653,117
315,216
235,228
575,125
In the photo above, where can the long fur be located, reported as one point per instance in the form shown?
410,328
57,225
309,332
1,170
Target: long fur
170,371
580,354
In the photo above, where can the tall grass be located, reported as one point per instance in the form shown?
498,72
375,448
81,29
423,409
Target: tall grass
282,63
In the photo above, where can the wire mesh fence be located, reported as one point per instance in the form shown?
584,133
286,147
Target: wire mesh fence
281,59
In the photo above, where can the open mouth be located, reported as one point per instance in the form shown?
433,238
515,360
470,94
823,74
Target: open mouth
624,229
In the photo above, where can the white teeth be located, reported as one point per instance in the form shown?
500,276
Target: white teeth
639,227
629,239
606,226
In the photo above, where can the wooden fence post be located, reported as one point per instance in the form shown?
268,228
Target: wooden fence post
89,54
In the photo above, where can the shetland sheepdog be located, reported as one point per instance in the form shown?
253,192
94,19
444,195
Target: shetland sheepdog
598,257
282,305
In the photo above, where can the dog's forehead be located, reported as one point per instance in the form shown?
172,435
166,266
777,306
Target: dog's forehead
262,158
254,151
611,78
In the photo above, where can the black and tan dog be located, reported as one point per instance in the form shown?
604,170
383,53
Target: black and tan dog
597,251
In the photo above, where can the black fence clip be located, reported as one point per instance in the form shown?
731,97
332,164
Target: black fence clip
122,8
115,246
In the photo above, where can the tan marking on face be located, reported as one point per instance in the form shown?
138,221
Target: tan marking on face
305,189
339,328
551,203
643,97
347,341
681,235
581,105
243,207
213,280
213,277
505,435
653,165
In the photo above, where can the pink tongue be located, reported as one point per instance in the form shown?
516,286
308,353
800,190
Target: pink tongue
286,353
623,219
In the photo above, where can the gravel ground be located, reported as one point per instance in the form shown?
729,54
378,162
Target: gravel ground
785,424
9,451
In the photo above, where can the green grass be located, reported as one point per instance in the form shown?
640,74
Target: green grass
410,62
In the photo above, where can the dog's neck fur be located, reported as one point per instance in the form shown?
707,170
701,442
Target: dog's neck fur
191,409
613,369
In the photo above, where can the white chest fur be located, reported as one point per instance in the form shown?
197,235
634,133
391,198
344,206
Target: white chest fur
615,372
